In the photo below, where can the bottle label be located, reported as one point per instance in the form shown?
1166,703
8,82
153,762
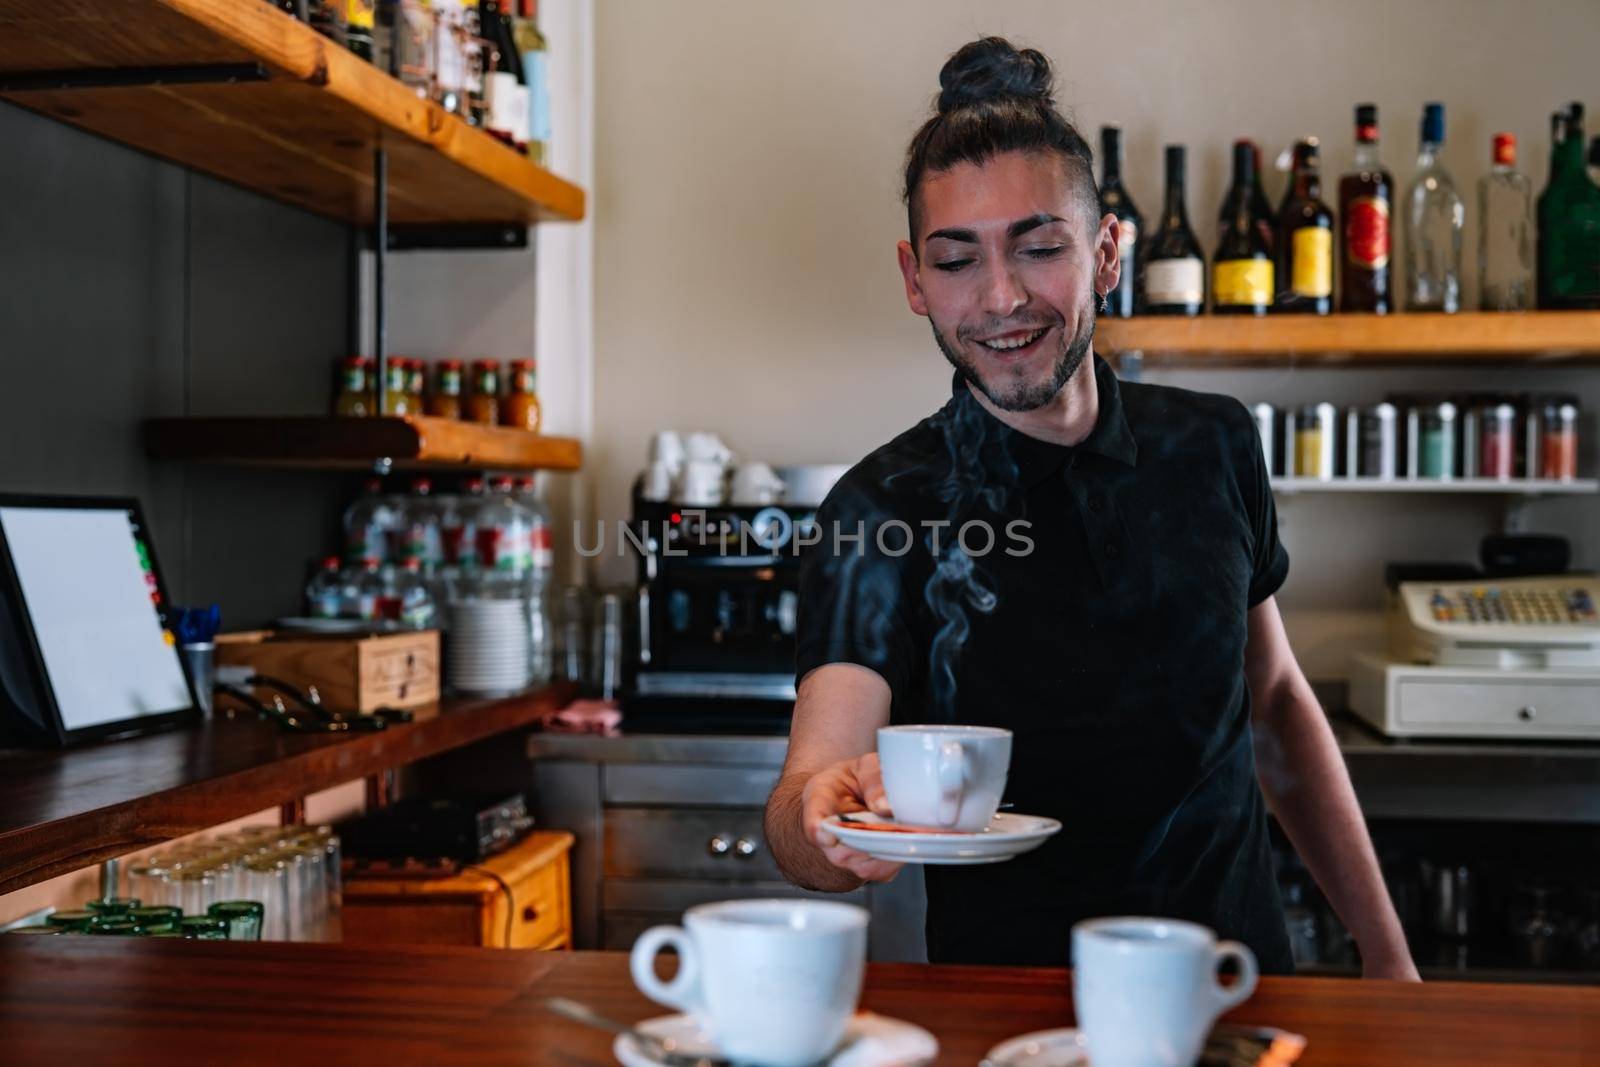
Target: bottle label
1246,282
1312,273
396,378
488,383
355,379
1366,232
544,556
525,381
449,383
503,549
1174,281
358,14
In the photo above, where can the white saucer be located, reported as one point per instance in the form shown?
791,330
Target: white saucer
1043,1048
872,1041
1006,837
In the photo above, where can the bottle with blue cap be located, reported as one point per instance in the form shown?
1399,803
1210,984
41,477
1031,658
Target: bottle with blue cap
1434,216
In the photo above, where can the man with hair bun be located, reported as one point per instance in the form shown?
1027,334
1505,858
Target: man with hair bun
1134,649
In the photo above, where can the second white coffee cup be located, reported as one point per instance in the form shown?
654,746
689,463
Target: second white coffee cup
774,981
1146,990
949,777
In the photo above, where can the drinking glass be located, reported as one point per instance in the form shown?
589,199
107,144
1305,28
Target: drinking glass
267,880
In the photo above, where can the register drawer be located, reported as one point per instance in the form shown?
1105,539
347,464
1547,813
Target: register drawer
679,843
702,786
1549,707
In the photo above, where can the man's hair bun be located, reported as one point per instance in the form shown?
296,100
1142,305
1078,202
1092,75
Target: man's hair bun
991,68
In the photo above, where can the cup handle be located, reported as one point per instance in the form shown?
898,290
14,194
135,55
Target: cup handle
683,991
952,774
1229,997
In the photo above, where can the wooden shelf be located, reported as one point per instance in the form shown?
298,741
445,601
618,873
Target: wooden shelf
305,135
409,442
1366,340
62,810
1513,487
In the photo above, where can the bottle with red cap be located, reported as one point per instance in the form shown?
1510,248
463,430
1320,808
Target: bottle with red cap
367,524
1505,232
502,533
416,534
325,592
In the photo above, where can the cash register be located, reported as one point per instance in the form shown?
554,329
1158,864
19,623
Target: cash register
1486,657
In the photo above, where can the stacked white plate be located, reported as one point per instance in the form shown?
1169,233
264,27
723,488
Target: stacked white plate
486,647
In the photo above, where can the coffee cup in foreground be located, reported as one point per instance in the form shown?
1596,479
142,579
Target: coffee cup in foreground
1146,990
775,982
949,777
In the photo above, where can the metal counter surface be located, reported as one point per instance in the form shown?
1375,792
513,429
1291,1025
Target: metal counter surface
1496,781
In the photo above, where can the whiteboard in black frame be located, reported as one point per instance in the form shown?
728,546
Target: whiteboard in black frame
86,649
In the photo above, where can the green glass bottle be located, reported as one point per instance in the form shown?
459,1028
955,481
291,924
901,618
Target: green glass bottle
203,928
1569,221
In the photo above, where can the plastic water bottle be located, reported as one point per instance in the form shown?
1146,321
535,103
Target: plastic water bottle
503,529
368,523
541,543
417,534
370,591
325,592
416,609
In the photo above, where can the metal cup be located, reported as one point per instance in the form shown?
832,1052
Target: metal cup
200,660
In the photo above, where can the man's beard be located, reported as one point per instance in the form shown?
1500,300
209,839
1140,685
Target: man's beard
1025,397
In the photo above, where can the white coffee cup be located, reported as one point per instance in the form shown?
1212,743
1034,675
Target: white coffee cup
755,483
707,446
774,981
666,447
949,777
699,483
656,483
1146,990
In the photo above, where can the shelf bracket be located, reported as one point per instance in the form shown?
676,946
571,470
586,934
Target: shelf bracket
26,81
477,236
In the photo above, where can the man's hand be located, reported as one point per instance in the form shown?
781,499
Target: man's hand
1399,969
850,785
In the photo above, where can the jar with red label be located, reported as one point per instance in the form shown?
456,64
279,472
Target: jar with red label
1558,438
1497,441
483,405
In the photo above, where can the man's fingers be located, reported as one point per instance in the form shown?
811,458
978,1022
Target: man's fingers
870,779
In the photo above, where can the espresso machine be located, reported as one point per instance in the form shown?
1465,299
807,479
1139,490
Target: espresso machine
717,602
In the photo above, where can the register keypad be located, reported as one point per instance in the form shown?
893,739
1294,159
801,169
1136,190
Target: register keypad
1514,606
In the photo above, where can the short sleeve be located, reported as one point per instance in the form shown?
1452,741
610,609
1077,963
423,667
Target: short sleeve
1269,559
854,606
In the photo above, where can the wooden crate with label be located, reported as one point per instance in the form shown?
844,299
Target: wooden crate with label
519,898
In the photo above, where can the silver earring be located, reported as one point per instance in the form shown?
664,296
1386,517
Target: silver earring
1105,302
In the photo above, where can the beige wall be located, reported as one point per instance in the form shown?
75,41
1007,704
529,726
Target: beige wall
746,201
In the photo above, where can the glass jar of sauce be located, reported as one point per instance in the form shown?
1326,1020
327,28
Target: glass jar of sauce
520,408
416,373
1558,438
445,400
483,405
1497,440
396,387
355,388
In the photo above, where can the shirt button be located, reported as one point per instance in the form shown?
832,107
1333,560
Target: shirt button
1097,502
1111,552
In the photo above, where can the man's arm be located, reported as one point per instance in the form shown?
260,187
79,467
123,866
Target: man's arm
831,767
1307,787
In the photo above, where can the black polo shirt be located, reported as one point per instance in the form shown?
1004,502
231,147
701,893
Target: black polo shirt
1105,627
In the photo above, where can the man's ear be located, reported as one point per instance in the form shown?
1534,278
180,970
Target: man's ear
1107,257
908,270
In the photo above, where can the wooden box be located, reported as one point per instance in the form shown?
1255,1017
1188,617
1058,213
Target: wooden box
470,907
351,673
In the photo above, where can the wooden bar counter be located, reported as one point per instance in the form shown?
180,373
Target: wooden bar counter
91,1000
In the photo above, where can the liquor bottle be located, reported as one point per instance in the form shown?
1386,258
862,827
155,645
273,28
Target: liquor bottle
448,57
1434,217
1114,200
1241,280
1173,281
1569,224
358,15
1260,206
535,75
496,29
1305,238
1505,232
1366,242
474,63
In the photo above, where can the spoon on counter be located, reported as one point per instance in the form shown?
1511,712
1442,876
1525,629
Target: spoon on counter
657,1049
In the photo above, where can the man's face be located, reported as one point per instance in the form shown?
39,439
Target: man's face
1010,262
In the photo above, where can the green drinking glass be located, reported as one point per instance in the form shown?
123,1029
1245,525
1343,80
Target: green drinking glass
243,917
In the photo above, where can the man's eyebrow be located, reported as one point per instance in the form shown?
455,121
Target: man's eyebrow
1016,229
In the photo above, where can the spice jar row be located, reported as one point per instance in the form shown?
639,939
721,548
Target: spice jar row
493,394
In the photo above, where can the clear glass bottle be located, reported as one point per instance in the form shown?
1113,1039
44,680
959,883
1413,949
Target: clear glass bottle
416,599
367,523
324,593
370,590
1505,232
1434,217
418,535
